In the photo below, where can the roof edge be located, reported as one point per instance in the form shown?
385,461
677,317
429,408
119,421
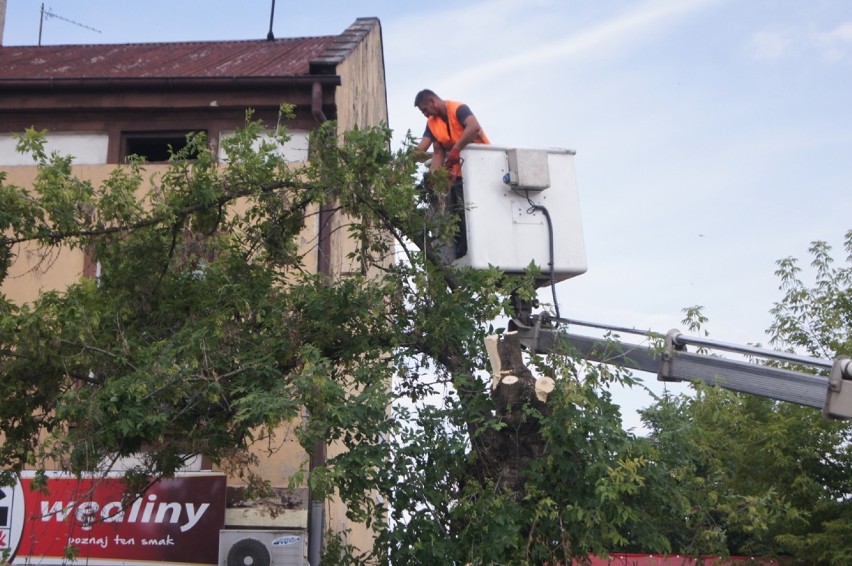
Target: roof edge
53,84
343,45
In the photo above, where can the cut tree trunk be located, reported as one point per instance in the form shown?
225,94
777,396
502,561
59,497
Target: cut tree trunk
520,399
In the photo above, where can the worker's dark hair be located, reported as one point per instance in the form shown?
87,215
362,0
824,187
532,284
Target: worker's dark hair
423,95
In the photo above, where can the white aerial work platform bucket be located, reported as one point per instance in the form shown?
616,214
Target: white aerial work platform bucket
509,193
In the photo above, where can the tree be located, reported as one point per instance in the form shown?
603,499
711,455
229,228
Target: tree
759,477
816,319
819,320
205,332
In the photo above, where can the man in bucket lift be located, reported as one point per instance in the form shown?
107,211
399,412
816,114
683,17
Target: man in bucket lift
450,126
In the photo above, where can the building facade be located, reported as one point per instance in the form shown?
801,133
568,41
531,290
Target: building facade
101,103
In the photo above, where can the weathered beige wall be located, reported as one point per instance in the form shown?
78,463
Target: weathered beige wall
279,457
361,102
36,271
2,19
362,95
33,272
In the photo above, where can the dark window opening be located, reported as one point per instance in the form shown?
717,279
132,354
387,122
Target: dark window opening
156,147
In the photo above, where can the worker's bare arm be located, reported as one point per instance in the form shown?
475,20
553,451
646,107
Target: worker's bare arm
422,152
472,129
438,156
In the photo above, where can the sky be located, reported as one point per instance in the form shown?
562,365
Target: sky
713,137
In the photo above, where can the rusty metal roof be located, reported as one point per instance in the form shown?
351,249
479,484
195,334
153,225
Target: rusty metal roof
206,59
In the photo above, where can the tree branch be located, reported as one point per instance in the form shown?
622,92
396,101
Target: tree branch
182,214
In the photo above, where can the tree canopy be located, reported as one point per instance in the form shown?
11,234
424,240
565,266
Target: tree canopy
760,477
206,331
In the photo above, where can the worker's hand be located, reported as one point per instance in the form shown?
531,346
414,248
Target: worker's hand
453,158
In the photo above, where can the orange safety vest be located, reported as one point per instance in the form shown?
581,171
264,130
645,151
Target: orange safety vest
447,136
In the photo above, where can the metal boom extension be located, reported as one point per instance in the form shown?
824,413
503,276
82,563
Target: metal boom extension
673,363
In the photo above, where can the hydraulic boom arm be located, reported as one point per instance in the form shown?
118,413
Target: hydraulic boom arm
672,362
509,194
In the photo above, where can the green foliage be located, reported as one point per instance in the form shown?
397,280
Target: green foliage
209,329
816,319
751,476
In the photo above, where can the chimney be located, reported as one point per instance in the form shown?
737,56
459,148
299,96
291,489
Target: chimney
2,19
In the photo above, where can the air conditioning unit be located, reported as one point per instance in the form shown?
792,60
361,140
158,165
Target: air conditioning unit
261,548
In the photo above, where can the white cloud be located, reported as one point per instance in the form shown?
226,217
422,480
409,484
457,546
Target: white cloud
769,45
442,36
840,34
649,19
837,42
514,34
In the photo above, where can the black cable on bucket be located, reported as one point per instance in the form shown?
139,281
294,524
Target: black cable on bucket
537,207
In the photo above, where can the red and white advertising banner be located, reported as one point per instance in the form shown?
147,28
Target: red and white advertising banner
175,522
